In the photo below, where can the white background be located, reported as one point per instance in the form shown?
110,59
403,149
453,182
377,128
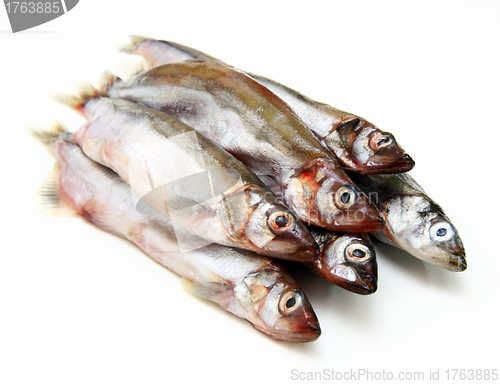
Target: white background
78,305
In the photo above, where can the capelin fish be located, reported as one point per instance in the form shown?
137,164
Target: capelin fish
346,260
360,146
414,222
252,287
250,122
189,180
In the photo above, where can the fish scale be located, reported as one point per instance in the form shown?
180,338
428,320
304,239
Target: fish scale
414,222
170,166
359,145
249,121
221,274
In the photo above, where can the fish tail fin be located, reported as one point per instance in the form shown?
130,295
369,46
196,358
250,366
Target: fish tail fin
132,44
106,81
48,196
48,135
77,101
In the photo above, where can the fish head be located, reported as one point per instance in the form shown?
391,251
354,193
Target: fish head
348,261
324,196
418,225
276,306
363,148
271,228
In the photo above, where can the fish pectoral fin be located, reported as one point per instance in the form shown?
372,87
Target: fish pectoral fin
272,184
186,196
209,290
49,202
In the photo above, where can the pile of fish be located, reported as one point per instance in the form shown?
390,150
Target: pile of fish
216,173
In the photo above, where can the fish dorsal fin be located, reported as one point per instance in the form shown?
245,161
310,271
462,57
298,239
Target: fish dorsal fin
131,45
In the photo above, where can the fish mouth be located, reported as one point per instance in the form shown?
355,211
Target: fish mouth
457,263
363,286
375,223
308,253
359,221
403,164
311,332
303,249
454,261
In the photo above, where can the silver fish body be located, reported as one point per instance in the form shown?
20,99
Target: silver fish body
258,128
414,222
159,52
252,287
186,178
358,144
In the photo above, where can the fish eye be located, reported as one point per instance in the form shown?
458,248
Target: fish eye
290,301
345,196
381,140
280,222
441,231
358,252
